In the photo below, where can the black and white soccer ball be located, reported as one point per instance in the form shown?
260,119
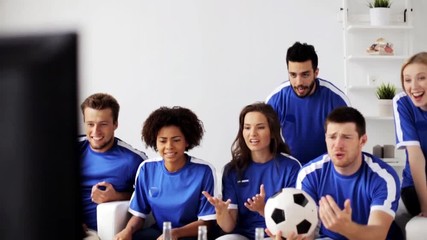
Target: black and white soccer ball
291,210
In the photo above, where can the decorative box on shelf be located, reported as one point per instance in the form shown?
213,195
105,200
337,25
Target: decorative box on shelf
381,47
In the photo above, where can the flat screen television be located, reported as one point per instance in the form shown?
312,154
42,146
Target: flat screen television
39,171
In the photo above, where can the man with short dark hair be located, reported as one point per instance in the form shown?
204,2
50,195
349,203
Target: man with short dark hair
303,102
357,193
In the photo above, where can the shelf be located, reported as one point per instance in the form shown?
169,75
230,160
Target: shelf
366,26
361,87
394,162
368,87
363,73
379,118
376,57
391,160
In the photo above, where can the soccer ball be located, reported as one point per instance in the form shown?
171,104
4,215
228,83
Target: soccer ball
291,210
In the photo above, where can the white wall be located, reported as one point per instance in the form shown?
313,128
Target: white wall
213,56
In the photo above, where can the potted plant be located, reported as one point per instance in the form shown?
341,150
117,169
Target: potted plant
380,12
385,93
380,3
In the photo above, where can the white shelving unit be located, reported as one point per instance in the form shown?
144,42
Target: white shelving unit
363,72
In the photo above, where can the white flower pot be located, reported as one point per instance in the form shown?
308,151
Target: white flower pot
385,107
380,16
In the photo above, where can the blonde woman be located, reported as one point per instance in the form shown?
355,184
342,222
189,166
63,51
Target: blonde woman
410,111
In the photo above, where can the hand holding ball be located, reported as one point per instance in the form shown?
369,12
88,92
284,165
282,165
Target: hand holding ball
291,210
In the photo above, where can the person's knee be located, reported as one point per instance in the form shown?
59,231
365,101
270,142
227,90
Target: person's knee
232,237
91,235
149,233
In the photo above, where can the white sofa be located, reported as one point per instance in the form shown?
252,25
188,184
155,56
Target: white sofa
414,228
112,217
402,216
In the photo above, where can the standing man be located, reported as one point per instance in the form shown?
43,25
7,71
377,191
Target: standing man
303,103
108,165
357,193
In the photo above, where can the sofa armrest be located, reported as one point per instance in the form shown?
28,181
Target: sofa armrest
416,228
402,216
112,217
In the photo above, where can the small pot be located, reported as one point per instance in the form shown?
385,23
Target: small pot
380,16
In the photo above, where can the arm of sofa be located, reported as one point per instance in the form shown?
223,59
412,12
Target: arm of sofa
112,217
416,228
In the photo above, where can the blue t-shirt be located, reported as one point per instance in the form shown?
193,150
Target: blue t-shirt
174,196
411,130
116,166
375,186
278,173
302,119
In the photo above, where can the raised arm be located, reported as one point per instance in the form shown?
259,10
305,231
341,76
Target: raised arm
337,220
226,218
417,163
257,202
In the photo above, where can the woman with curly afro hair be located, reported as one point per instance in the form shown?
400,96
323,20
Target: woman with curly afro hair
170,186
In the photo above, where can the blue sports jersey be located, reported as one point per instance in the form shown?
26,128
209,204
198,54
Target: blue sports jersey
302,119
411,130
375,186
116,166
278,173
176,197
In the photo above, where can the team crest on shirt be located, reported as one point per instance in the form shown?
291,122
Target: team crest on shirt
243,181
154,192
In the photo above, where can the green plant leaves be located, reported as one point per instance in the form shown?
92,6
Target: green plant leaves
386,91
380,4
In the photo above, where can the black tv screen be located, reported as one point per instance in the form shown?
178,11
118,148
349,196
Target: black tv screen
39,172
